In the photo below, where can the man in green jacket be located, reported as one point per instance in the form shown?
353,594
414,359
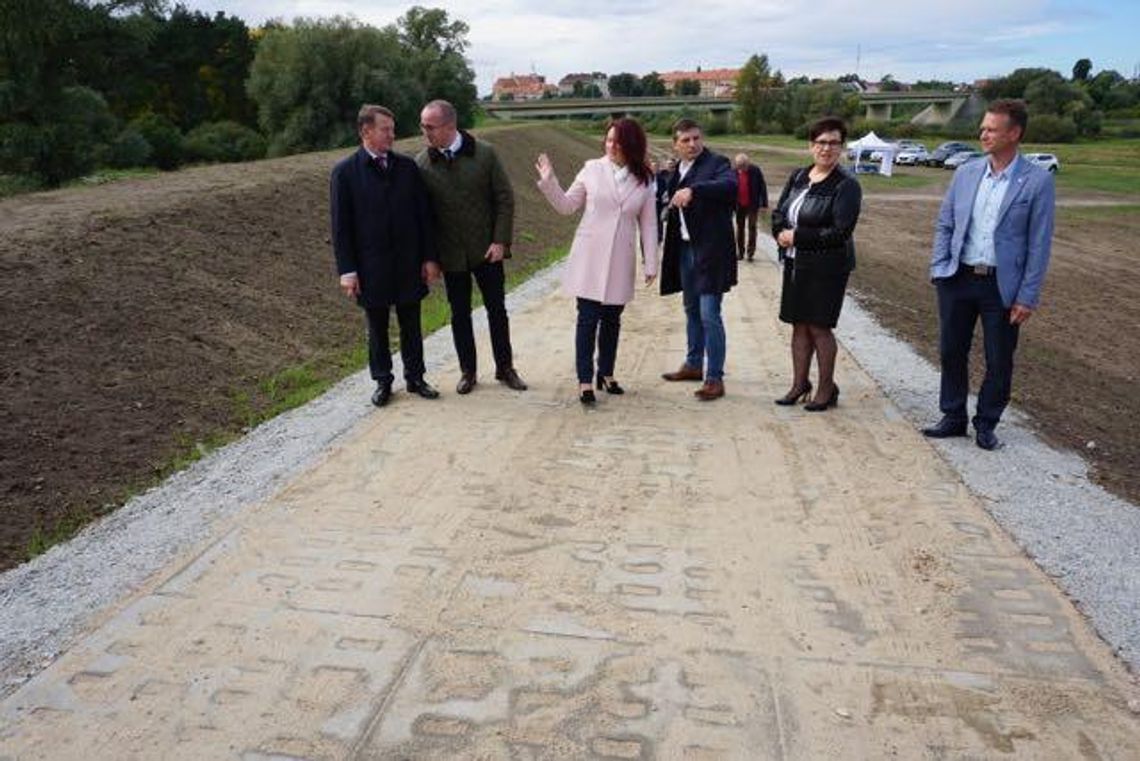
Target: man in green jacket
474,213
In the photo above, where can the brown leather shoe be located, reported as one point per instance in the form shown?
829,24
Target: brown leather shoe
686,373
711,390
510,378
466,383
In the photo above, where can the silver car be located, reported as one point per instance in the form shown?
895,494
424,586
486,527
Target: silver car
960,158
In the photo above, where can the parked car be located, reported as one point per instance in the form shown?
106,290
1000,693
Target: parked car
913,156
960,158
1044,160
944,151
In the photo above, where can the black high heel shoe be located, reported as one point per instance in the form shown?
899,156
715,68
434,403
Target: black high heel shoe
610,387
821,406
795,396
586,397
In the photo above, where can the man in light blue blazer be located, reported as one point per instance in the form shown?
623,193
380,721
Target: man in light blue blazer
991,251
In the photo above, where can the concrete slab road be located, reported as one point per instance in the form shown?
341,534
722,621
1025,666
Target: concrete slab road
510,576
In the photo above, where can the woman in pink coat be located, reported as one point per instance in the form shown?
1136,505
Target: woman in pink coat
618,192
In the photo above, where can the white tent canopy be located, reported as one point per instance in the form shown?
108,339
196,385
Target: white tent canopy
872,142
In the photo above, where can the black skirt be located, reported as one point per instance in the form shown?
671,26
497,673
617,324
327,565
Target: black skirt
811,297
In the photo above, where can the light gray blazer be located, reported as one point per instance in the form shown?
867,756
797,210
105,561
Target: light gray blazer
1023,236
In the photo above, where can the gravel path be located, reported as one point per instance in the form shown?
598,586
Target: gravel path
1083,537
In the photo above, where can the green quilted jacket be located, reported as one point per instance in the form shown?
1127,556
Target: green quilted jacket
473,202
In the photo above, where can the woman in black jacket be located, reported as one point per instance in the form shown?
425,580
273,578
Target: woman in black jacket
812,224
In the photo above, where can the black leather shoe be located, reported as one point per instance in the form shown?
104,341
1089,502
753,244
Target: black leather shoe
945,428
587,397
466,383
422,388
382,394
987,439
510,378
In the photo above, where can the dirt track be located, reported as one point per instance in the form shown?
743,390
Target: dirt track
656,578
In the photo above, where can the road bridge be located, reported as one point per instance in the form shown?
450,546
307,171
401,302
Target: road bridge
942,107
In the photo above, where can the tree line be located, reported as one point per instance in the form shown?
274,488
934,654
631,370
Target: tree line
87,84
1062,109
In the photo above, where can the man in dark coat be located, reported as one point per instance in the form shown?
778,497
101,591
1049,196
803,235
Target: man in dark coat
751,197
384,249
474,212
699,257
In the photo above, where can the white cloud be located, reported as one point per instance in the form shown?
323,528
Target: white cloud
957,40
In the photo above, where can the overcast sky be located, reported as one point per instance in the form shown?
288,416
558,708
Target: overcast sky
959,40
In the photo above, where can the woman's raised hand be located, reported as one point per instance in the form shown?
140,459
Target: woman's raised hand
544,167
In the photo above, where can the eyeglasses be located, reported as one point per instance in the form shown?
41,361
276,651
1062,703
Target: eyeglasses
827,143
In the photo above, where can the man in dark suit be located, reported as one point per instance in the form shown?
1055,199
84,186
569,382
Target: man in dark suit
991,250
474,211
382,240
698,256
751,197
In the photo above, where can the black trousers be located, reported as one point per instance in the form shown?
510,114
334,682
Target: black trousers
962,300
598,324
492,286
411,342
746,219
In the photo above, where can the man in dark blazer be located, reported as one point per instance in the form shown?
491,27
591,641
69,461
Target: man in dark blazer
382,240
751,197
474,211
699,251
991,250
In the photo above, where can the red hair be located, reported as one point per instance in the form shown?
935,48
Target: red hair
630,138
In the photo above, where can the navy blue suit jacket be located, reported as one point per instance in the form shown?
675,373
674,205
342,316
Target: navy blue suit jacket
381,227
709,219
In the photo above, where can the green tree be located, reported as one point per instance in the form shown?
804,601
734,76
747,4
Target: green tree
51,126
652,84
889,84
309,80
435,48
687,87
625,85
751,83
1013,85
1081,70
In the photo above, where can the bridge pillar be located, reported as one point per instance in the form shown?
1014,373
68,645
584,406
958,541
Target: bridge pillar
879,112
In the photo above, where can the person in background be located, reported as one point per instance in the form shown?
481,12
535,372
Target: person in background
474,208
619,194
751,198
381,237
813,224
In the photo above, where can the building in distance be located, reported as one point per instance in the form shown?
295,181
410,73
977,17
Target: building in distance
522,87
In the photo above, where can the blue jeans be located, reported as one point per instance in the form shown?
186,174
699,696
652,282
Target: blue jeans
704,328
598,324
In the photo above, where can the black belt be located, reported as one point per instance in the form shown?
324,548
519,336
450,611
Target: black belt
977,270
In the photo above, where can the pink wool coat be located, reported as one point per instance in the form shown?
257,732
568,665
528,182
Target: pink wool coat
603,256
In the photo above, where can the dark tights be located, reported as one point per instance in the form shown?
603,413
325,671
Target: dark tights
810,339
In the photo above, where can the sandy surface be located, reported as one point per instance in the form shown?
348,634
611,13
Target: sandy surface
511,576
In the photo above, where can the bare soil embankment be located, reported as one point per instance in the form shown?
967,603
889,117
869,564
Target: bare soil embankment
141,319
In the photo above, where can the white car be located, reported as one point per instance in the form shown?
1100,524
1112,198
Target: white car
913,156
1044,160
